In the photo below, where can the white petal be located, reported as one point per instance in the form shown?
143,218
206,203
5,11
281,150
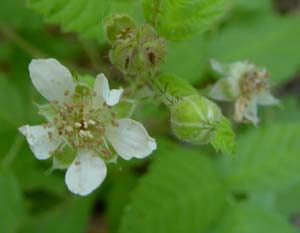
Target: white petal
250,112
85,174
221,91
104,94
52,79
238,69
265,98
130,139
217,66
40,141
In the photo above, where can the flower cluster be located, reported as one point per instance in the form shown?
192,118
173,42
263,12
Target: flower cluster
245,84
82,118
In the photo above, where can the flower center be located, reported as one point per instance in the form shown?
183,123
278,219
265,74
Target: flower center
81,126
253,82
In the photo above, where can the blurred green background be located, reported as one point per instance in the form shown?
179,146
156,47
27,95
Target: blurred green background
265,171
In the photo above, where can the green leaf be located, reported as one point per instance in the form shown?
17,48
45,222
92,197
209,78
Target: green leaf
84,17
11,211
246,218
288,111
191,69
265,200
269,41
118,198
14,13
224,138
253,5
11,109
69,217
287,202
63,159
178,20
33,177
181,193
267,159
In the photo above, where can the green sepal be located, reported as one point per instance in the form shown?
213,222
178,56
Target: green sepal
47,111
124,109
140,54
63,159
117,26
86,80
224,137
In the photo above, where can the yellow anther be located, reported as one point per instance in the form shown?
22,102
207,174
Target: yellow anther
77,125
82,133
91,122
69,129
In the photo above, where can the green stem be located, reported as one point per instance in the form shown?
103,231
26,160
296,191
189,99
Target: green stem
156,11
13,36
13,151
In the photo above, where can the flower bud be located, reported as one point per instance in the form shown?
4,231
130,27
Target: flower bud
143,52
194,119
119,27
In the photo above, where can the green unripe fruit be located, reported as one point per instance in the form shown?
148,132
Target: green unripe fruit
119,27
194,119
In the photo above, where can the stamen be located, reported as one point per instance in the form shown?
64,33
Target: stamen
45,125
82,133
77,125
69,129
85,125
88,134
54,102
91,122
50,135
82,126
114,123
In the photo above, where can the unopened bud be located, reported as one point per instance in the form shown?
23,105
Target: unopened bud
119,27
143,53
194,119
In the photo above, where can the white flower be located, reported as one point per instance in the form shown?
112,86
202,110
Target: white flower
246,85
84,120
